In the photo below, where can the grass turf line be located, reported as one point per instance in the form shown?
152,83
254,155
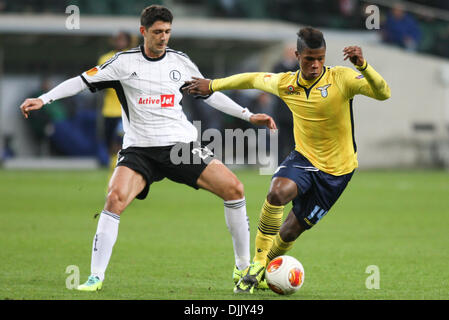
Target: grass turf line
175,244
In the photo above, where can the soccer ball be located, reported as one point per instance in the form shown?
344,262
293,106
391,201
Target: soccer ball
284,275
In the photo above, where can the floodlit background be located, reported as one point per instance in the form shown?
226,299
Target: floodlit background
410,130
394,213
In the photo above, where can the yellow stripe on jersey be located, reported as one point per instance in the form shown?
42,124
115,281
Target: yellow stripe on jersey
322,109
111,105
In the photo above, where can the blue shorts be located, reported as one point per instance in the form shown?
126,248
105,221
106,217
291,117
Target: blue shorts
317,190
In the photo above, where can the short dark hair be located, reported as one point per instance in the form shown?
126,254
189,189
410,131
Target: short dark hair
311,38
155,13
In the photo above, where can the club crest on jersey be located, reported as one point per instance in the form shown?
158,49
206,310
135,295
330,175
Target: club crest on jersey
175,75
323,90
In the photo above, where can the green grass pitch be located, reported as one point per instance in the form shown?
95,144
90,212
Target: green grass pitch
175,244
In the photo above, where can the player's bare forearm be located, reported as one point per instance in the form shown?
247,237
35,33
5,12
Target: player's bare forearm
29,105
354,54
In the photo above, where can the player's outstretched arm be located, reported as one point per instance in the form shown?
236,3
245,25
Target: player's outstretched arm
67,88
375,86
225,104
264,81
201,87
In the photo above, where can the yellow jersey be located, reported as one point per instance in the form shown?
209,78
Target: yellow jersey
323,121
111,105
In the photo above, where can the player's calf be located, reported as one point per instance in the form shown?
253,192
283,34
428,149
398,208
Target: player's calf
218,179
291,229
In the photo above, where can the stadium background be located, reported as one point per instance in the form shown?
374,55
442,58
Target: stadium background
405,139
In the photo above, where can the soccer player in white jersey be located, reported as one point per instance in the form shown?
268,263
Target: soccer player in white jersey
148,81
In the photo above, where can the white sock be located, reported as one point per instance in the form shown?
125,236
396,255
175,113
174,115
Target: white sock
238,225
104,241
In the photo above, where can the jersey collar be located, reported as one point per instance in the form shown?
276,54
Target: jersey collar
142,49
308,84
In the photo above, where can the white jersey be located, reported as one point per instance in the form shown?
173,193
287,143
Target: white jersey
150,93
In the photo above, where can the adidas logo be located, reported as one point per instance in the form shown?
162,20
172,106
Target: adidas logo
133,75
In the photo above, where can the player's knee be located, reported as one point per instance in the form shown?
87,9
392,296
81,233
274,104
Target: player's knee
278,197
234,190
116,201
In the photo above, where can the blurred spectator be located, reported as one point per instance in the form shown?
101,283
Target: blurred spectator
8,150
440,4
288,62
238,9
281,113
349,12
69,136
442,42
347,7
41,123
210,117
401,29
226,8
111,108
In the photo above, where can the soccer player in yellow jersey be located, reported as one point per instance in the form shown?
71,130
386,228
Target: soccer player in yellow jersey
317,171
111,109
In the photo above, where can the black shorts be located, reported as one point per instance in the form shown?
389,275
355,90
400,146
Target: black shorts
317,190
182,163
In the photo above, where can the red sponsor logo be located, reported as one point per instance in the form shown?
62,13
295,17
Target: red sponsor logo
167,100
164,100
